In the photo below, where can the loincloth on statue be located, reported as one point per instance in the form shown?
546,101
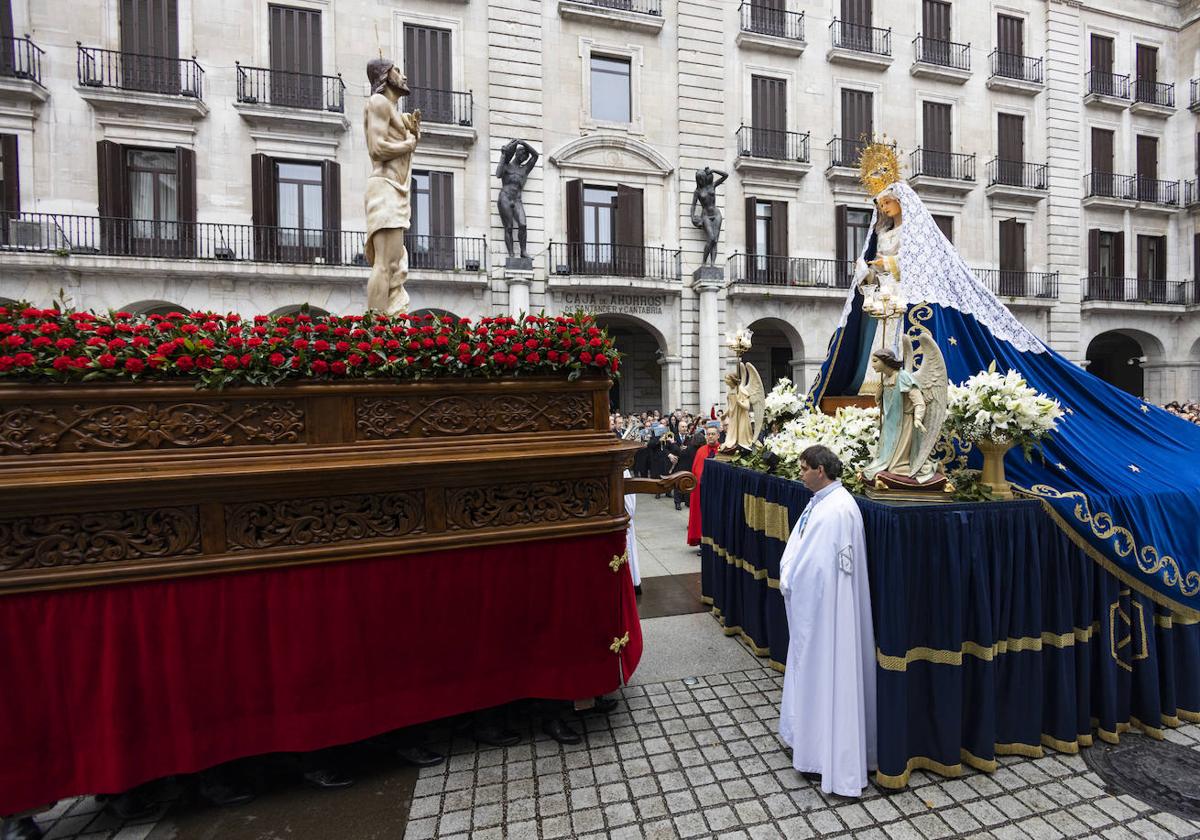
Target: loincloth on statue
387,208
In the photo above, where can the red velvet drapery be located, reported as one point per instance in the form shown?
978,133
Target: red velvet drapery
107,687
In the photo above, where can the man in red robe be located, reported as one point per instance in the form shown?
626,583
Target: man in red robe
712,438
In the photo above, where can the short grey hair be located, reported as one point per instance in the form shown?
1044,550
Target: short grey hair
822,458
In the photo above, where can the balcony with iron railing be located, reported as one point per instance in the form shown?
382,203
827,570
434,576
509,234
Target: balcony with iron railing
1018,174
1139,290
770,27
941,59
1106,89
1015,72
1153,97
643,15
953,171
844,152
1042,285
773,144
795,272
449,107
285,89
134,72
1108,188
856,43
20,58
606,260
62,234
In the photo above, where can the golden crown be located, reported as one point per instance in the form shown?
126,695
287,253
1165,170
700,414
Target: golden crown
879,167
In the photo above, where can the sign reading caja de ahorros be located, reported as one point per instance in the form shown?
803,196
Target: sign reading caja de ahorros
614,302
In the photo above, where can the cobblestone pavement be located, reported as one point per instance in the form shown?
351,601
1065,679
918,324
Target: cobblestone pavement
691,752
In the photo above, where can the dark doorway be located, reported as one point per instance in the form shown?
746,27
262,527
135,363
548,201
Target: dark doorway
1116,358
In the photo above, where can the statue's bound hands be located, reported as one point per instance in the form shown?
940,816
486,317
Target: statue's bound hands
919,424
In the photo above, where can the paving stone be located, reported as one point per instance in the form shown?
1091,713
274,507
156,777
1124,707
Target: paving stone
1116,809
590,819
738,789
902,831
766,831
627,832
649,807
457,800
556,827
709,795
749,813
552,805
487,816
454,821
425,806
959,819
614,793
588,797
690,825
824,821
421,829
680,801
796,828
519,810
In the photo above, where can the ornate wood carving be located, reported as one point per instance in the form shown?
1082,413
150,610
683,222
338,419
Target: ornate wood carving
76,539
521,503
64,427
384,418
320,521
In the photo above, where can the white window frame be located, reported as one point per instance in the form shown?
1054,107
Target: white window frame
634,55
455,26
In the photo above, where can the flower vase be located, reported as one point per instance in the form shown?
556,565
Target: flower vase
992,476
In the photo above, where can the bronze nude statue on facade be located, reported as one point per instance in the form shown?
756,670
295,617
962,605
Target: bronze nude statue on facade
517,160
391,139
705,213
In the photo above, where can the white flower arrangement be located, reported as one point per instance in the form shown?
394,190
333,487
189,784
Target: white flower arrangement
783,403
739,341
1001,408
852,434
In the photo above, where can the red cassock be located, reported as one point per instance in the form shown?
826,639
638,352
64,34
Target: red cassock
693,534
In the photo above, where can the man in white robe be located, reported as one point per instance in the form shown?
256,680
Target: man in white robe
631,546
827,715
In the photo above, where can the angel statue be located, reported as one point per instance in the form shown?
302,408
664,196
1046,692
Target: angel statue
746,397
912,408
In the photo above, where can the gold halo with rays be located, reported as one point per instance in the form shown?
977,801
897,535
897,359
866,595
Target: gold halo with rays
879,166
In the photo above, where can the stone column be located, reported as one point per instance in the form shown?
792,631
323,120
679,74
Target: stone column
799,375
672,382
706,282
518,276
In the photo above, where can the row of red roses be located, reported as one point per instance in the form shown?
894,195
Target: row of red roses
286,343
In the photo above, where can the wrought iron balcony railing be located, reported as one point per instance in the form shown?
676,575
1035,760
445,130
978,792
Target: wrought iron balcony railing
589,259
132,71
856,36
66,234
1107,84
1017,173
773,144
645,7
1015,66
936,164
1138,290
282,88
1156,191
1154,93
844,151
1130,188
20,58
449,107
762,19
807,272
1191,193
1027,284
942,53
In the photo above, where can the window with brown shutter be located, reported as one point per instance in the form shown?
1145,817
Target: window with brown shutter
1102,58
946,225
264,214
1147,168
631,235
937,141
858,126
1012,258
430,70
1010,149
10,190
430,239
1146,61
1152,268
7,49
1100,178
768,115
149,32
574,218
296,60
331,210
935,31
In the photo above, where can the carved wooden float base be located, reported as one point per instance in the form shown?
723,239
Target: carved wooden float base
136,482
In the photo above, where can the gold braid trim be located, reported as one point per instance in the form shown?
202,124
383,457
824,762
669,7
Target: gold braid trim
737,562
1125,544
987,653
747,640
770,518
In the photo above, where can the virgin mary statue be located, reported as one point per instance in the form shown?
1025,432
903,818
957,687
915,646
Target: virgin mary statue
1120,474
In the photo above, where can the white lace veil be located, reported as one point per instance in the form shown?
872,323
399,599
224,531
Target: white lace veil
932,271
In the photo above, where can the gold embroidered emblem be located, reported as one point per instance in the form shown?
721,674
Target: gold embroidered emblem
1125,634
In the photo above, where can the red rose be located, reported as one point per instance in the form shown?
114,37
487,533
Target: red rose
552,355
408,360
477,361
595,342
601,360
246,360
184,363
276,359
40,341
65,343
296,363
6,363
164,326
300,344
427,342
442,341
155,361
188,329
230,362
585,357
363,347
498,358
205,362
207,343
342,346
254,342
140,341
532,358
464,358
354,360
134,365
320,345
319,366
392,344
62,362
236,343
338,368
107,360
82,361
211,326
14,341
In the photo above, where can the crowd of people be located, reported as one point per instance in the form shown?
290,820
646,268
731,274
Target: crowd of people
669,441
1188,410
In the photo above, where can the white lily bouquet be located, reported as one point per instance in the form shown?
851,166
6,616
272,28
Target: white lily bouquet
783,403
1001,408
852,434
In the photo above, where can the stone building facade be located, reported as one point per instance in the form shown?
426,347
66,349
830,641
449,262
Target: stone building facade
171,153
